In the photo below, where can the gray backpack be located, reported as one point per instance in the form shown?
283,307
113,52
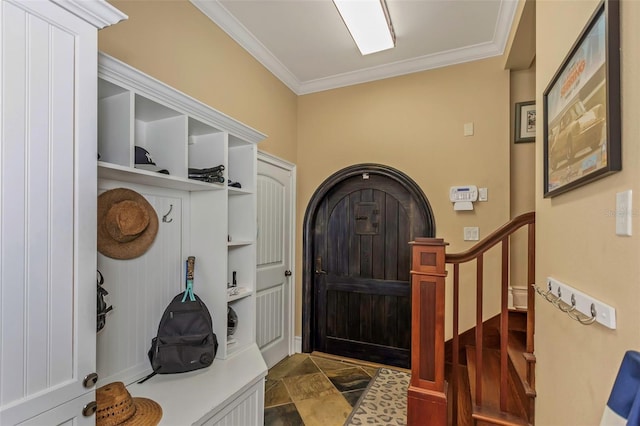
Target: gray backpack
185,339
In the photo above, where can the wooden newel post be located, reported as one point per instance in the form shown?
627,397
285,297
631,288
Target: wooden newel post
427,395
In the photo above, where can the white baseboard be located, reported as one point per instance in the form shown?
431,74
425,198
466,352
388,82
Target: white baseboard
297,344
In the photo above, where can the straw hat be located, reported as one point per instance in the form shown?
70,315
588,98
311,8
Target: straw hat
127,224
115,407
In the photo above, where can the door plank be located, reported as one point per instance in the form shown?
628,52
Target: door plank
354,240
353,322
391,239
378,241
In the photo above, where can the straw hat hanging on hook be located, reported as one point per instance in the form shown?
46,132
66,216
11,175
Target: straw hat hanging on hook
127,224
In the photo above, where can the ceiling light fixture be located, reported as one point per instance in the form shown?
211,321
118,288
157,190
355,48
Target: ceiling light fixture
369,23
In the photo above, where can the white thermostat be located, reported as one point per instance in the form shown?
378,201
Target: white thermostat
463,197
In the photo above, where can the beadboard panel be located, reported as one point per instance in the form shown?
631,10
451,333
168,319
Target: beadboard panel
37,206
47,234
141,288
270,220
270,315
247,409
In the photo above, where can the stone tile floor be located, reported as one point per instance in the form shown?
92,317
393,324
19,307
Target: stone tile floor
314,390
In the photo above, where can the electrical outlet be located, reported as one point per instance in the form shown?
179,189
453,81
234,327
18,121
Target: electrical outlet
471,233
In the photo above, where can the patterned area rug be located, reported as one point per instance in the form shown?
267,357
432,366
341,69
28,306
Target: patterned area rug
384,401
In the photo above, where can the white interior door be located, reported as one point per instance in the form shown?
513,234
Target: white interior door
274,292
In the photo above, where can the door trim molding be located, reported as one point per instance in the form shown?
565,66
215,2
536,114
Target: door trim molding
308,314
265,157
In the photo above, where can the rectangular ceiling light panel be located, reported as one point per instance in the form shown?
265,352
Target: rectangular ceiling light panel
368,23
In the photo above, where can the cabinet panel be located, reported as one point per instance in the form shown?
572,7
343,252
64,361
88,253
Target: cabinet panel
47,231
37,208
209,245
67,414
246,409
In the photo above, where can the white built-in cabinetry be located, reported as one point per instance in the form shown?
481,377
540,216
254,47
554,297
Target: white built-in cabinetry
47,209
214,222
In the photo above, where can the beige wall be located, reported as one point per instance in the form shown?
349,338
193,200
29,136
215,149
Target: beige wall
414,123
576,241
523,172
177,44
523,89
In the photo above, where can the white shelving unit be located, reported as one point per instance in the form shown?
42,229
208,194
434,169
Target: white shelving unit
214,222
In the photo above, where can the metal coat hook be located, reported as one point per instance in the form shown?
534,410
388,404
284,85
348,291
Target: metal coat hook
164,218
585,320
570,310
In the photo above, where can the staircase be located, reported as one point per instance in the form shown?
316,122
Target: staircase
520,395
488,371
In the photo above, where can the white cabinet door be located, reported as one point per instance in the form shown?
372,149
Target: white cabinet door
47,209
68,414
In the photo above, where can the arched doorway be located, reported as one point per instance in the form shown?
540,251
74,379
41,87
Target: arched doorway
356,260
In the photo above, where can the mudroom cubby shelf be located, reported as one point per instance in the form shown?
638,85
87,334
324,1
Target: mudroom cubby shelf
145,177
239,293
213,221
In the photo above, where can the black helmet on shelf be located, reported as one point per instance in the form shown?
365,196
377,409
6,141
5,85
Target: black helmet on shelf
232,321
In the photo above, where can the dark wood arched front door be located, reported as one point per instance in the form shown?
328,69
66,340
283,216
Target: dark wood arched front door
356,291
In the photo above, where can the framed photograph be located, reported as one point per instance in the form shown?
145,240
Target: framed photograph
582,107
525,127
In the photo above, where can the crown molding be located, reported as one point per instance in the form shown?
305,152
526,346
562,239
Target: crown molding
230,25
98,13
424,63
508,9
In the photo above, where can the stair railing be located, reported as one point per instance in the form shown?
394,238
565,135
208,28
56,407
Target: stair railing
428,394
500,236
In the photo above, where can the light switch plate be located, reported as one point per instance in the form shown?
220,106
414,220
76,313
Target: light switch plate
482,194
623,213
468,129
471,233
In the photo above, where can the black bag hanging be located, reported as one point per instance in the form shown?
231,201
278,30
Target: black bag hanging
102,308
185,340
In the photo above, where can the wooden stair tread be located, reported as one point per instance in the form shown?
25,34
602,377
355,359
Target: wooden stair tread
489,409
518,355
496,417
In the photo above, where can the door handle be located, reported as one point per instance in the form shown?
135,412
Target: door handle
287,273
319,269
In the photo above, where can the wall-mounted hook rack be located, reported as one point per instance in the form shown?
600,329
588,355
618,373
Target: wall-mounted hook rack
579,306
